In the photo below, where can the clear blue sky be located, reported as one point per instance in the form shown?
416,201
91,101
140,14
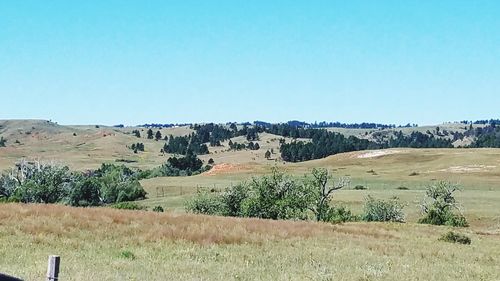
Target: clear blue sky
131,62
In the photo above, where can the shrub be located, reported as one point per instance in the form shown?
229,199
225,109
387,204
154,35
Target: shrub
402,188
359,187
127,255
40,183
340,214
206,203
440,207
436,217
85,193
158,209
383,210
454,237
119,184
120,191
233,197
8,185
127,206
276,196
412,174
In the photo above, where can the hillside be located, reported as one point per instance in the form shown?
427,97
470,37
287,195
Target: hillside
86,147
80,147
108,244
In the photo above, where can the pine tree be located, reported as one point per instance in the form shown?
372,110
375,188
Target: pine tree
158,135
136,133
268,155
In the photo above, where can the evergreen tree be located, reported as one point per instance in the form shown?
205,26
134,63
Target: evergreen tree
150,134
267,155
158,135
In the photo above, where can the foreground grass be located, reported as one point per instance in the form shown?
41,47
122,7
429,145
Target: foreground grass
107,244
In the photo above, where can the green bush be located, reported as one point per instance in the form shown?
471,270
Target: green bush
383,210
454,237
43,184
158,209
436,217
440,207
85,193
359,187
127,206
38,182
206,203
8,185
276,196
233,198
119,184
340,214
127,255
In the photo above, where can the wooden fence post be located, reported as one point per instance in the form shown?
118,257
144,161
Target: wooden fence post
53,268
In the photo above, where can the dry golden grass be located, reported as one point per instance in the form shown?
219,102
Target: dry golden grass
147,226
166,246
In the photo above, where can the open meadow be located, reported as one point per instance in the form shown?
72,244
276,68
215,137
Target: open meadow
108,244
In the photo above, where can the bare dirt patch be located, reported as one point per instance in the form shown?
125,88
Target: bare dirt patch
377,153
468,169
225,168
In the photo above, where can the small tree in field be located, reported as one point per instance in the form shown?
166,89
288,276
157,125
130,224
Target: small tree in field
158,135
136,133
440,207
268,155
150,134
321,193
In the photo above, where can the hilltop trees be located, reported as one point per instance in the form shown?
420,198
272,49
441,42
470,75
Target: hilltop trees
183,144
150,134
323,144
267,155
488,136
252,134
136,133
253,146
137,147
183,166
418,140
158,135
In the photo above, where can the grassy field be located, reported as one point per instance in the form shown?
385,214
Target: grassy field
383,172
108,244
